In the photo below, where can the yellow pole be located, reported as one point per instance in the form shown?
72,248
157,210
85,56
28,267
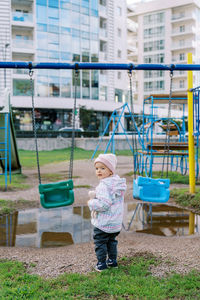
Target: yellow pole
191,223
191,142
190,129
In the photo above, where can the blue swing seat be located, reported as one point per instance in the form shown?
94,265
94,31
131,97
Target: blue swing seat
151,190
56,194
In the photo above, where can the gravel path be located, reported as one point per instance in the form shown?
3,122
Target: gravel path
182,251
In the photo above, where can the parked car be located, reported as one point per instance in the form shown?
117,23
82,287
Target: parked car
67,132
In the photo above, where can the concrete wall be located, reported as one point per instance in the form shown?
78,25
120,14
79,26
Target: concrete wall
60,143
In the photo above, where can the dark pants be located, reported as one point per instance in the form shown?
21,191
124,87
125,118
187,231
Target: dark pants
105,244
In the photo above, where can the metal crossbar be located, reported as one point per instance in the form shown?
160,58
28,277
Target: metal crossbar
102,66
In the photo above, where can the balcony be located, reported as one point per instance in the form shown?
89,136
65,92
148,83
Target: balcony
102,10
103,79
132,26
180,74
22,19
182,17
176,59
182,46
132,48
23,46
20,72
177,88
188,30
102,56
103,33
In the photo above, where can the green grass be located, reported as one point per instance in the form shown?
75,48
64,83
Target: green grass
174,177
28,158
132,280
18,181
82,186
9,206
184,198
53,177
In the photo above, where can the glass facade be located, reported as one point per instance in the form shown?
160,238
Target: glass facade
46,119
154,45
67,31
54,119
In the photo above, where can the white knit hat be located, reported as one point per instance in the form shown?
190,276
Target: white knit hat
109,160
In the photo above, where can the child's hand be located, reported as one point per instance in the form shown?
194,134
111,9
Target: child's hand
93,214
91,194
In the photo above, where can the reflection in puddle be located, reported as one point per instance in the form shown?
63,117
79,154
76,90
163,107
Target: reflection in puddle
47,228
158,219
8,225
56,239
71,225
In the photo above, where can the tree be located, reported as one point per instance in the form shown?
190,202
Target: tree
88,119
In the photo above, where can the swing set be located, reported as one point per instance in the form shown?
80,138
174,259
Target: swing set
145,188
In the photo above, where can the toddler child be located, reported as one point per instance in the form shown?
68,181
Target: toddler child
106,208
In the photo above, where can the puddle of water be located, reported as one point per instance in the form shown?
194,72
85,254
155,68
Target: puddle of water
46,228
71,225
158,219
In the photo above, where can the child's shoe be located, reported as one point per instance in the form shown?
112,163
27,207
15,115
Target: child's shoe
112,263
101,266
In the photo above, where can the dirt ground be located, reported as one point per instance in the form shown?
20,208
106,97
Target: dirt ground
178,253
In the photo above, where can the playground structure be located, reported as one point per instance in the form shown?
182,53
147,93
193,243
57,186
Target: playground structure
9,158
115,121
147,138
129,67
154,144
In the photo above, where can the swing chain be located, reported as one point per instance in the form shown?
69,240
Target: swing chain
33,123
73,125
134,140
167,139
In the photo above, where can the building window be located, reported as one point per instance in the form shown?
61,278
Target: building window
119,11
119,53
103,93
158,31
157,58
159,85
118,95
154,18
154,46
181,43
21,87
182,56
54,86
153,74
102,2
85,84
103,23
182,84
65,87
182,28
148,86
95,84
119,32
119,75
103,46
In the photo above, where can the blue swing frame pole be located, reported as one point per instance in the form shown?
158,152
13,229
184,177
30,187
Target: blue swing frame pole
98,66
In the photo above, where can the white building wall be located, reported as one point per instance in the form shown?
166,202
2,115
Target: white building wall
5,52
111,55
177,13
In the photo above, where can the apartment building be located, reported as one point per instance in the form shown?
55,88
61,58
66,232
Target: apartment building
166,32
63,31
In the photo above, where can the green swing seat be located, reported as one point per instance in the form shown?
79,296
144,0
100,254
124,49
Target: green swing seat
56,194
